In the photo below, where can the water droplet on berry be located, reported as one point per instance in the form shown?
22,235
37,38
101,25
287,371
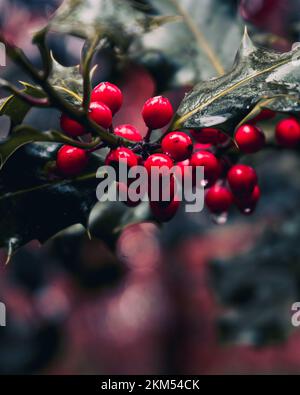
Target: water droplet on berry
220,219
248,210
204,183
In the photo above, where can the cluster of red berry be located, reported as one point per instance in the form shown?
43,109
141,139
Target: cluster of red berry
106,100
243,189
226,183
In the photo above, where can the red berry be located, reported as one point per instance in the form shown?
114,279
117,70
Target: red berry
153,164
70,160
183,168
249,138
209,136
108,94
288,132
184,173
209,162
157,112
101,114
158,160
242,180
178,145
165,213
201,146
163,190
121,155
218,199
124,190
264,115
71,127
128,132
248,204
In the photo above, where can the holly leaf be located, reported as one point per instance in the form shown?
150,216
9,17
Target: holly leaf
34,207
201,44
67,80
109,219
259,78
118,20
25,135
16,108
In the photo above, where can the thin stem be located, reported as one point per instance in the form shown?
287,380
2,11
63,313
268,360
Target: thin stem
148,135
200,38
97,147
34,101
58,137
40,40
86,71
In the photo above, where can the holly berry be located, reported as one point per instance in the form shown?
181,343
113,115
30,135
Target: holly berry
209,136
249,138
128,132
178,145
264,115
288,132
157,112
121,155
70,127
184,173
218,199
101,114
242,180
248,204
209,162
70,160
158,160
154,163
183,168
201,146
124,190
163,212
108,94
163,190
98,112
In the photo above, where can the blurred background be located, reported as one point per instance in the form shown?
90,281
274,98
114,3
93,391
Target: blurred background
191,297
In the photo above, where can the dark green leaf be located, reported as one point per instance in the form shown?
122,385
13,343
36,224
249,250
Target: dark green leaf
257,75
108,219
25,135
117,20
32,206
67,80
16,108
196,54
